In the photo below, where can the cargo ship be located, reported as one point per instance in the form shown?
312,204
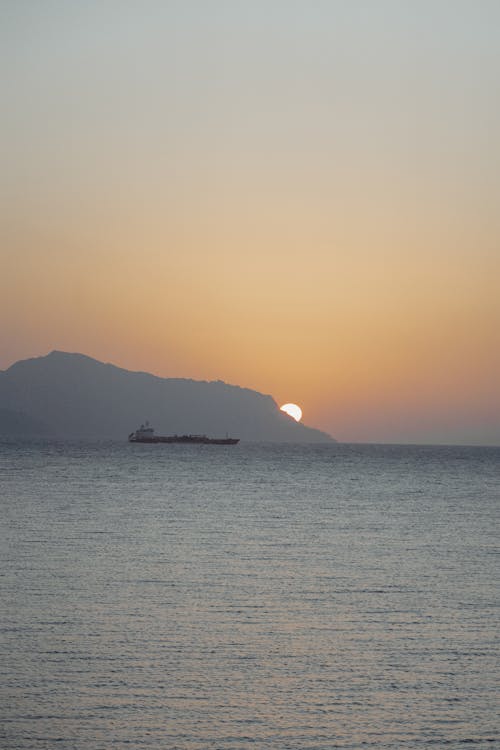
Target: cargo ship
146,434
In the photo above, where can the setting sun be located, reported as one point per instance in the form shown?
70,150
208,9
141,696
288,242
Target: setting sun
293,411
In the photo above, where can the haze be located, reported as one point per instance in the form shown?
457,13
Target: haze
297,197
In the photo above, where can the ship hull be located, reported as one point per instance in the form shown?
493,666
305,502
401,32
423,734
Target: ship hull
185,439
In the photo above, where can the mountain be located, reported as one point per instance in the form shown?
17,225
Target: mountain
72,395
17,423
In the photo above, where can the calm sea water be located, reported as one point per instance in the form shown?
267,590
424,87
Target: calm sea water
257,596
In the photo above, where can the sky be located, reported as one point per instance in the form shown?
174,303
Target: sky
300,197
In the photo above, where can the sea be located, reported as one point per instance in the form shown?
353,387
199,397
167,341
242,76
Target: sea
260,596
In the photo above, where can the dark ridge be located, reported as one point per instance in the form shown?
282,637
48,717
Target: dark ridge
73,395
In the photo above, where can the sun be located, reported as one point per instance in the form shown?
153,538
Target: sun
293,411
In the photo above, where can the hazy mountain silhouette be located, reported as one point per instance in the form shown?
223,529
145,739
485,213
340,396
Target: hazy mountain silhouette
72,395
18,423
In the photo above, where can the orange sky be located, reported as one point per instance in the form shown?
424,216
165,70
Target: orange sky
299,200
